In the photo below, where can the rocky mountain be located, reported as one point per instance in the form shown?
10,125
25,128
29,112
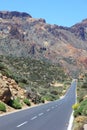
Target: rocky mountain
24,36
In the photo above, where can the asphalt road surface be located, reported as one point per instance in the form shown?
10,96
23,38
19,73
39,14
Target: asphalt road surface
52,116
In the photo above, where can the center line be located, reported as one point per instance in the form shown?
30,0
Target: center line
52,107
48,110
40,114
33,118
22,124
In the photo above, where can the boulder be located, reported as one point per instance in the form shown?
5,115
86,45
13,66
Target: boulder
5,93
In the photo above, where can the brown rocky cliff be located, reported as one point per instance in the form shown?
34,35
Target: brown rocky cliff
10,90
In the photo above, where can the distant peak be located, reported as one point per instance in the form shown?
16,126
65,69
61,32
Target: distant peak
85,20
9,15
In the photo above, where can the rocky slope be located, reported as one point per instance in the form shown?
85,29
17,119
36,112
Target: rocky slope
24,36
10,90
36,76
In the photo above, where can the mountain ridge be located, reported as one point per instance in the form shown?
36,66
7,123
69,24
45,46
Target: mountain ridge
9,15
24,36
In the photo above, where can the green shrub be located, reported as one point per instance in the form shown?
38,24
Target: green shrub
2,107
7,73
42,100
15,103
27,102
76,113
2,66
54,92
85,110
84,85
75,106
36,100
82,109
84,102
49,97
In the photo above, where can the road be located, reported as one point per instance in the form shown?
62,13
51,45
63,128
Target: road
51,116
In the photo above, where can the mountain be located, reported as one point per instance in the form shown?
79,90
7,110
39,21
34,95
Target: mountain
24,36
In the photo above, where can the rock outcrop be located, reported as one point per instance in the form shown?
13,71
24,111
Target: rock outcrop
5,93
10,15
10,90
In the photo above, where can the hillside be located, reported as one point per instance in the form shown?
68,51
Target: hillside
35,76
80,108
10,91
24,36
26,80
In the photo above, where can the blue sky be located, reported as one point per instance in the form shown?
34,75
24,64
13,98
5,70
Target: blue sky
60,12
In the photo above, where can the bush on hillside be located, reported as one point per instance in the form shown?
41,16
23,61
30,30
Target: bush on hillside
42,100
2,107
2,66
84,85
27,102
75,106
15,103
82,109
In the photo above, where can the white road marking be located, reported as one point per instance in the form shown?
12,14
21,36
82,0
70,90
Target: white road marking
70,123
40,114
48,110
33,118
56,105
52,107
22,124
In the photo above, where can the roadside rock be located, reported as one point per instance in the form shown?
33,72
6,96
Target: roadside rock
5,93
9,89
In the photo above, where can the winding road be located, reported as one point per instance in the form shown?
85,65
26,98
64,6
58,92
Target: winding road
51,116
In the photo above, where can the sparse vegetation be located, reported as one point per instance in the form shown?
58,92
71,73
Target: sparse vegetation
35,74
15,103
80,111
2,107
27,102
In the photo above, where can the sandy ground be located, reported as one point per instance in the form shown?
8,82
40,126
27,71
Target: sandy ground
57,84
